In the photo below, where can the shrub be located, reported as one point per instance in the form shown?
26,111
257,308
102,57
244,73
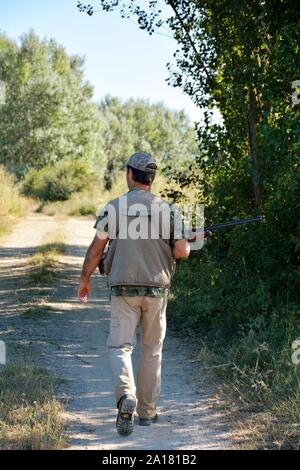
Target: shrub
58,183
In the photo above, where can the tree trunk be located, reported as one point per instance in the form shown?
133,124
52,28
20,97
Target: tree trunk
252,141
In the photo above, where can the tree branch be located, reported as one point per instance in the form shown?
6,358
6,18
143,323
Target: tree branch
189,37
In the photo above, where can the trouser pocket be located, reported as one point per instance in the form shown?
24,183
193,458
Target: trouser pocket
125,315
114,333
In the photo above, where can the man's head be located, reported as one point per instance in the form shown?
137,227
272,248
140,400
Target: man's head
141,170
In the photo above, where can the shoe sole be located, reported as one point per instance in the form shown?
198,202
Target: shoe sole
125,416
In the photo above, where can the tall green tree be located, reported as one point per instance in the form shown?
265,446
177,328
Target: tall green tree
137,124
231,56
48,115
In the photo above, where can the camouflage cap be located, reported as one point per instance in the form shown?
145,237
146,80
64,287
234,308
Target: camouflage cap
142,161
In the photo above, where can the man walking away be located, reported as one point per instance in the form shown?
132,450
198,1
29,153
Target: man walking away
140,270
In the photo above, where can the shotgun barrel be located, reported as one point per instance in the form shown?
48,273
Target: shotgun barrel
233,223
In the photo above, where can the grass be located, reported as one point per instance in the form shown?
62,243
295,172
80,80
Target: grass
262,400
261,384
275,429
30,413
5,228
246,349
36,310
42,273
44,262
12,205
42,268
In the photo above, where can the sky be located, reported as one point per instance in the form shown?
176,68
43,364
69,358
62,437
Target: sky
120,59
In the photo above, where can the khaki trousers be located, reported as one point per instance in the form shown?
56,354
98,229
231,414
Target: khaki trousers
126,313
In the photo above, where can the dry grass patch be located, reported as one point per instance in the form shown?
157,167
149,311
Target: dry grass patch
43,263
12,205
276,429
30,414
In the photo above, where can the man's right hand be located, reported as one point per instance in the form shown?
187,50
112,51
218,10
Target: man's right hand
91,262
84,290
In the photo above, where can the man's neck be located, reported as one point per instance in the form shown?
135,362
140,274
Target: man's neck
143,187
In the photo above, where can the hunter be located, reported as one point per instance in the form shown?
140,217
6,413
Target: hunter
140,266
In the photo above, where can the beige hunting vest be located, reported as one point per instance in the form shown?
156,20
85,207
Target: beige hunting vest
139,261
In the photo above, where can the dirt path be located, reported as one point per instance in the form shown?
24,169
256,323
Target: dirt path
71,339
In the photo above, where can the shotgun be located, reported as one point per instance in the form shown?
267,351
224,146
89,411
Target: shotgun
211,228
233,223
